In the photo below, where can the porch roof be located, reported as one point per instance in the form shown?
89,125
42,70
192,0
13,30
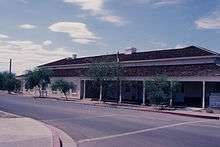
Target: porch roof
148,71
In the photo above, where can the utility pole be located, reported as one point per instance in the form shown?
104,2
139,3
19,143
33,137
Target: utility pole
10,64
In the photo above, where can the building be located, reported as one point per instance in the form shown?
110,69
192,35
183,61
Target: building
198,70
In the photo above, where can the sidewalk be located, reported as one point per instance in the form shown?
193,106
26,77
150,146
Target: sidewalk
24,132
189,113
17,131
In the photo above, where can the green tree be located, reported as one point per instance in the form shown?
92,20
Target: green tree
9,82
161,91
38,78
62,86
100,72
10,85
3,77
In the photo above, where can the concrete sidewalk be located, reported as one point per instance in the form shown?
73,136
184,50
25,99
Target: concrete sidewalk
17,131
151,109
24,132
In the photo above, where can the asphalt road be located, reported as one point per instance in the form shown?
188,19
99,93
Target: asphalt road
92,126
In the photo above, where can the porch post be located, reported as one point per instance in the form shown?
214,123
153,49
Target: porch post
171,93
120,97
203,94
144,87
84,89
100,95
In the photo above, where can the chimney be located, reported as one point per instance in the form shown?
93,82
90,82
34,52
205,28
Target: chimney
131,50
74,56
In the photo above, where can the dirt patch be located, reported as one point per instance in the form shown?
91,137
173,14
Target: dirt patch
213,110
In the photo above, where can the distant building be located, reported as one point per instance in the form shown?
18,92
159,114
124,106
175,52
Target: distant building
196,68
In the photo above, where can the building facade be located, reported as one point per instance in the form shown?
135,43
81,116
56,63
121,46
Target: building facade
198,70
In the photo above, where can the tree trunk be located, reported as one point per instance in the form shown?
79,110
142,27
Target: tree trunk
66,96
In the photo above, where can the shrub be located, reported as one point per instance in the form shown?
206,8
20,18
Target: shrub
160,91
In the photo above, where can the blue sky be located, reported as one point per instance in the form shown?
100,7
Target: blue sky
33,32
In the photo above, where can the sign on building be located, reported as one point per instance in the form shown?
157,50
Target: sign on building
214,100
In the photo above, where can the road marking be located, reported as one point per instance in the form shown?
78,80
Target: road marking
80,118
138,132
212,126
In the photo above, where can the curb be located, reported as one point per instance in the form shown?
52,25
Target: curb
10,115
59,137
194,115
157,111
65,139
55,136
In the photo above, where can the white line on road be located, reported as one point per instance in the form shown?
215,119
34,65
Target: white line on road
138,132
212,126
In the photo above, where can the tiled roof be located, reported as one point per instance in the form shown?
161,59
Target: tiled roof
169,70
190,51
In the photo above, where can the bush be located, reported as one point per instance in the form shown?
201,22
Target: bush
9,82
160,91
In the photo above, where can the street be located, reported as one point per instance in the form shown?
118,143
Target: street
92,126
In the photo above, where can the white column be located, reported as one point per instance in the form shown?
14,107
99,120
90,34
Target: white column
171,93
120,96
84,89
203,94
100,96
144,87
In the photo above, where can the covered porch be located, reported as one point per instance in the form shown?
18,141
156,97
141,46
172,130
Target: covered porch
192,93
196,93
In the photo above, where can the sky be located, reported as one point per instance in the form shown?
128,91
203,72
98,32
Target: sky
34,32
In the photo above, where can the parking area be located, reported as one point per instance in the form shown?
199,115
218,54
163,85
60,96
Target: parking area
92,126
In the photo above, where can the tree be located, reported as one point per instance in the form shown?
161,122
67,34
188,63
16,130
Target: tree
9,82
1,81
62,86
10,85
38,78
100,72
3,78
161,91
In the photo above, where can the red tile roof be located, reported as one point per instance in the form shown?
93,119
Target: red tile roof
190,51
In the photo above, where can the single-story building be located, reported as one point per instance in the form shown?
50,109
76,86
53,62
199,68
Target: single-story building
197,68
